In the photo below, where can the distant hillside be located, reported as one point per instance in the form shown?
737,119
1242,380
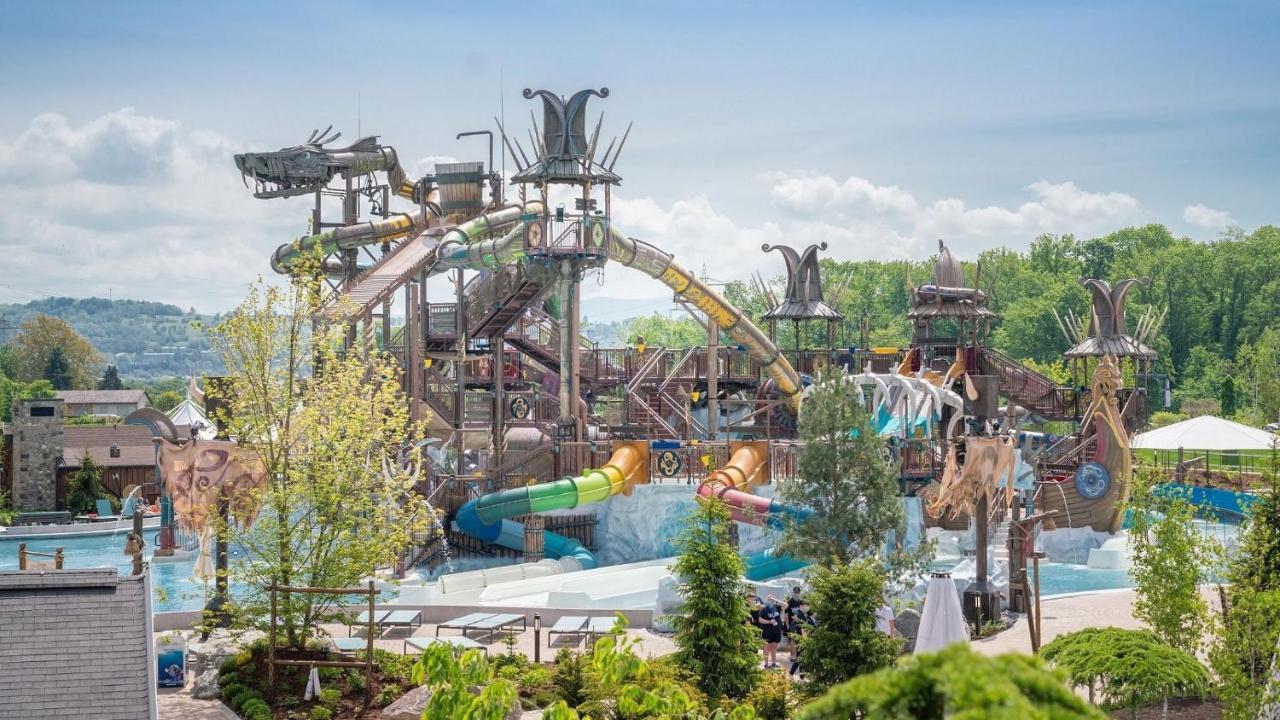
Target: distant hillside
143,339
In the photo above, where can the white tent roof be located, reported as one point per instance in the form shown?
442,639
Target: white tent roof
1204,433
188,413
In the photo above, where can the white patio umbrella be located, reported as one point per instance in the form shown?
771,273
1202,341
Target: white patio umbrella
942,621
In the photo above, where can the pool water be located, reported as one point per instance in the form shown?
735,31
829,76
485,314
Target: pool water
174,586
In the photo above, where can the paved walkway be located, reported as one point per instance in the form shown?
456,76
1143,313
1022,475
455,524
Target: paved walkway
1068,614
179,705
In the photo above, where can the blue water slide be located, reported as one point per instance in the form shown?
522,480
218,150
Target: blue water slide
510,534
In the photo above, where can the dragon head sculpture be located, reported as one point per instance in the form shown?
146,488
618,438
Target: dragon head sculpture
304,168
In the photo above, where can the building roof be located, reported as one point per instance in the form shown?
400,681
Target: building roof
136,448
1117,345
1204,433
75,645
102,397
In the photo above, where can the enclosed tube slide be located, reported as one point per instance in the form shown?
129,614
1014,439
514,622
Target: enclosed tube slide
657,264
486,517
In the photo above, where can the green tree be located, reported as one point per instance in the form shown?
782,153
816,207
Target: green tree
849,482
662,331
1130,668
8,361
11,390
338,448
845,642
452,680
110,379
166,401
57,370
1170,561
713,640
955,682
1244,649
36,342
85,488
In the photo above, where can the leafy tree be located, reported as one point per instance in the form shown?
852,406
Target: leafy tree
451,681
166,401
1227,397
955,682
848,481
85,488
110,379
662,331
57,370
1130,668
1244,650
845,641
338,448
713,640
11,390
1170,561
8,361
1162,418
36,342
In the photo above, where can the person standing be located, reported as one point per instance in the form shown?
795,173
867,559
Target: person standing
771,628
801,621
885,621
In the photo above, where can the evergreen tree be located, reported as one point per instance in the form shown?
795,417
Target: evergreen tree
714,641
57,370
85,487
849,482
110,379
1227,397
845,643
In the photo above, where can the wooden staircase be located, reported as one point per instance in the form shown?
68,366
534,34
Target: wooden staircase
1030,389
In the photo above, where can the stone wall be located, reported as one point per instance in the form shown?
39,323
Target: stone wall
37,451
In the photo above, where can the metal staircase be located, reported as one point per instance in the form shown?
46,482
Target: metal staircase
1030,389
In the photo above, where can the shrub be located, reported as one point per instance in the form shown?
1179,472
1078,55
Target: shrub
230,690
1129,667
321,713
771,697
389,694
845,642
714,642
226,678
570,678
393,666
330,697
955,683
242,658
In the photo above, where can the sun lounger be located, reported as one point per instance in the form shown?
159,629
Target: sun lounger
104,510
601,625
350,644
458,642
497,624
463,623
569,625
362,620
402,619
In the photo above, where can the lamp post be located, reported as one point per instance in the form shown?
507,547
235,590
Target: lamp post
537,637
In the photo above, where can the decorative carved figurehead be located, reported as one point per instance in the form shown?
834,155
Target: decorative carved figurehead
564,122
1108,306
1107,378
804,282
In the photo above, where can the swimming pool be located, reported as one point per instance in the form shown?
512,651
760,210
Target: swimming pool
174,586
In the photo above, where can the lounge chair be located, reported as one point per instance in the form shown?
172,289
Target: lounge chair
601,625
458,642
350,644
401,619
463,623
497,624
363,619
105,513
568,625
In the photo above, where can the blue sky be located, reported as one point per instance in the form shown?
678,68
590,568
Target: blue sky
875,127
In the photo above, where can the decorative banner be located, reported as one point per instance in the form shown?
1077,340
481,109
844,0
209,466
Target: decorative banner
198,472
519,408
669,463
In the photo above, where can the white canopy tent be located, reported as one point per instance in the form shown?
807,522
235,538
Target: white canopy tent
1204,433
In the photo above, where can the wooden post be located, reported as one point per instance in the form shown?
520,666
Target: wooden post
22,556
368,655
271,645
57,559
1035,636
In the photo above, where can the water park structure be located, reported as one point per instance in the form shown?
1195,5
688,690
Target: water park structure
535,427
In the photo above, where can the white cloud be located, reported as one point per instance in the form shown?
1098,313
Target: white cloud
136,206
1202,215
